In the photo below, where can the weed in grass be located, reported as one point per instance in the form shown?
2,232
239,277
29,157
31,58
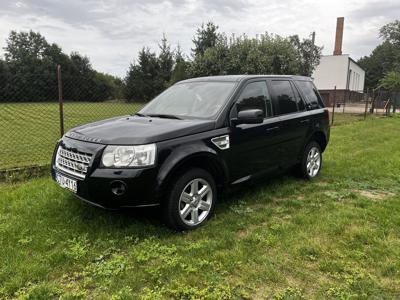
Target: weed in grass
241,208
38,291
354,283
77,247
292,293
108,267
339,196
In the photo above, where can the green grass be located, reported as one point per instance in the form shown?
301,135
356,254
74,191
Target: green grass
29,131
337,236
342,119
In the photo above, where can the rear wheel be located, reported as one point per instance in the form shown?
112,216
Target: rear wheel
311,161
191,200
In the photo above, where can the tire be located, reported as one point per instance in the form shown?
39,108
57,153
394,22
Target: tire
311,161
186,209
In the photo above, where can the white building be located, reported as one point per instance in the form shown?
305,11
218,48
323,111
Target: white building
340,71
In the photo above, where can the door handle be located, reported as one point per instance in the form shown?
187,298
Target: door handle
305,121
272,129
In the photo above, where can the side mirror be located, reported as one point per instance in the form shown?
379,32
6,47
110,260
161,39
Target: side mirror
249,116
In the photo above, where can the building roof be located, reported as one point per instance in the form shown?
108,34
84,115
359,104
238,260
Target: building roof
238,78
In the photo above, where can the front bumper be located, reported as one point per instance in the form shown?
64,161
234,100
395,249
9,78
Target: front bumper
97,188
99,185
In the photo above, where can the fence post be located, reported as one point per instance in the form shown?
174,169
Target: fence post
334,104
366,104
387,107
346,93
371,110
60,100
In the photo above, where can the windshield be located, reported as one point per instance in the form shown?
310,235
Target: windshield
191,99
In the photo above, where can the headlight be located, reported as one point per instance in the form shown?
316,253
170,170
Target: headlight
129,156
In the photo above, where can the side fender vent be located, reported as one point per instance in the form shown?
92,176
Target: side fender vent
222,142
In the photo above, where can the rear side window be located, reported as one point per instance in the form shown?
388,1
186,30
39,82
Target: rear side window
299,99
255,96
311,94
283,97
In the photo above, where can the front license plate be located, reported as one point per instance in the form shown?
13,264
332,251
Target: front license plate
67,183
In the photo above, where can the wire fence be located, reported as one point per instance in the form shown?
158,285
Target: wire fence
30,118
346,106
35,110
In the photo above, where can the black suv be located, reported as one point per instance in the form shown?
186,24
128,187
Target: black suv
195,139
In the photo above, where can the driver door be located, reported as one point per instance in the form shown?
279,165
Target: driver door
254,147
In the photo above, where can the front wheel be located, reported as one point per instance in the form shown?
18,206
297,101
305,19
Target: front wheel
311,161
191,200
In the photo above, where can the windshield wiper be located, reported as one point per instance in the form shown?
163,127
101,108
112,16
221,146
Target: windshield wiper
140,115
166,116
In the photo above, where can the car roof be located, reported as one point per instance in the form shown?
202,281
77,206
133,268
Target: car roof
238,78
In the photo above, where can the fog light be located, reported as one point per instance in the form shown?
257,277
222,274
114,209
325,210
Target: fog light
118,188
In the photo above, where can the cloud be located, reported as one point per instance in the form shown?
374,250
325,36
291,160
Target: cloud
377,9
112,32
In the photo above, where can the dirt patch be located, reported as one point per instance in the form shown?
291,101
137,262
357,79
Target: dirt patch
374,195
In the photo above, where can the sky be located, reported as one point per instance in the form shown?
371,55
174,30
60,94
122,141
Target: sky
111,32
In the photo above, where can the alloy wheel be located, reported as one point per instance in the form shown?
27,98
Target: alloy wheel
195,202
313,162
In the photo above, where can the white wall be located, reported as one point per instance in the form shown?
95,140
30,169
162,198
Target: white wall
357,77
331,72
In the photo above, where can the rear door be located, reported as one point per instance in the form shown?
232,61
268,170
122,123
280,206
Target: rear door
253,147
295,119
318,115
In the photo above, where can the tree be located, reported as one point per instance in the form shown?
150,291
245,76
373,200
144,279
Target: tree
308,54
30,52
22,46
211,62
31,64
205,37
80,65
79,80
166,61
180,69
391,32
4,81
385,57
108,86
267,54
142,81
391,80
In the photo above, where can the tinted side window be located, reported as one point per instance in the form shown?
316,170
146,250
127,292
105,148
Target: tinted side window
311,94
255,96
283,97
299,99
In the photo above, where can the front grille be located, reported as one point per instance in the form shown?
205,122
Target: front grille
74,163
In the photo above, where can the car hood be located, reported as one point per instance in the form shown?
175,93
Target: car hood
135,130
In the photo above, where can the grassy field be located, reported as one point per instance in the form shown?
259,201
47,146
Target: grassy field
29,131
283,238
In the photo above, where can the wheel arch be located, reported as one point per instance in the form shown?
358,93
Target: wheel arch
206,159
320,138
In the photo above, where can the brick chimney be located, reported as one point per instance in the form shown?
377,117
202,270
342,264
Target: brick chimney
339,36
